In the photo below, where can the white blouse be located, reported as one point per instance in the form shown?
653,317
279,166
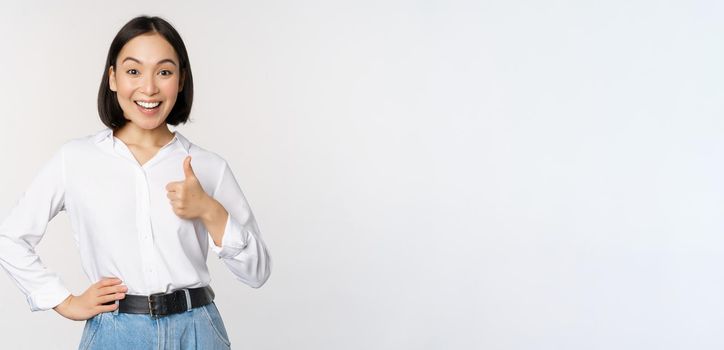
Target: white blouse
123,223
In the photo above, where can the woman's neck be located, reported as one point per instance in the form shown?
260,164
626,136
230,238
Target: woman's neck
131,134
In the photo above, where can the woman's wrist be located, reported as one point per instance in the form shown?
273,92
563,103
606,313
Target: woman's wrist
63,304
213,210
214,219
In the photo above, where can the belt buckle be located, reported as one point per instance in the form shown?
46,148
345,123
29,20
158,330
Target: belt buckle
150,304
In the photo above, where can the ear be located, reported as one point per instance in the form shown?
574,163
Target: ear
112,79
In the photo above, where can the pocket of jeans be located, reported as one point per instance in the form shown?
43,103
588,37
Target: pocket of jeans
214,318
89,331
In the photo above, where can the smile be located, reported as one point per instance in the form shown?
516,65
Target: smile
148,105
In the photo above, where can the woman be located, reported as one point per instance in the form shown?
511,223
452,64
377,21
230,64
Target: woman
143,217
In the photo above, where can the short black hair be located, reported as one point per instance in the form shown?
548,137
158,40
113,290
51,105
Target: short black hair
109,110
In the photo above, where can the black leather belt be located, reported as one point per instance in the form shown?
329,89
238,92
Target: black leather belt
162,304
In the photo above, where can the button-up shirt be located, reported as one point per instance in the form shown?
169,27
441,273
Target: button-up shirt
123,223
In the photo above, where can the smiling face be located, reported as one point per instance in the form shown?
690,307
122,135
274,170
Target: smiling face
146,80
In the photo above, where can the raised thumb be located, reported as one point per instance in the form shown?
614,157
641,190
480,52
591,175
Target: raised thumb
188,171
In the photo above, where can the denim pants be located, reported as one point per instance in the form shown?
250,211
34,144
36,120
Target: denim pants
198,328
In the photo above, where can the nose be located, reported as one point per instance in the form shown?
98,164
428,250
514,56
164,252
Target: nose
149,86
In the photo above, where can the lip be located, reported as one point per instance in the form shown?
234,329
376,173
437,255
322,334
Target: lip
148,112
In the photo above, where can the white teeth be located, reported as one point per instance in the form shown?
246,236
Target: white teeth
148,104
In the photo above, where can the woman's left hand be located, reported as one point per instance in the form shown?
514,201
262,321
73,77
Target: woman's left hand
188,198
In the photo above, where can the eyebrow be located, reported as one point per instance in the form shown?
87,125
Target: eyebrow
159,62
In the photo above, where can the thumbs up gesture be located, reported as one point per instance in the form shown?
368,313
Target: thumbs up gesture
188,198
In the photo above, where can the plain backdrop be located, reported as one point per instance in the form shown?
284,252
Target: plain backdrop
426,174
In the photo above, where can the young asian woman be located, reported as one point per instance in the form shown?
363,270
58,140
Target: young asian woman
145,205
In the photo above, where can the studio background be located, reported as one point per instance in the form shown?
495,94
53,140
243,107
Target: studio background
426,174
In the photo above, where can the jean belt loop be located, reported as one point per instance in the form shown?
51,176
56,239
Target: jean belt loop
118,307
188,299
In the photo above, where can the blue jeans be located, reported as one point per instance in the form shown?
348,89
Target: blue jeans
198,328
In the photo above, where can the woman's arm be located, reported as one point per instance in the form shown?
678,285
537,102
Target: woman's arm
231,229
23,229
242,249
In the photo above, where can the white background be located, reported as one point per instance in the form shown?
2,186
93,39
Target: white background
427,174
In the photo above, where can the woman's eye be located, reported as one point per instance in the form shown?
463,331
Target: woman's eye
132,71
166,72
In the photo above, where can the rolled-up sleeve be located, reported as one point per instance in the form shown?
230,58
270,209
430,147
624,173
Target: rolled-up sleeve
242,249
25,226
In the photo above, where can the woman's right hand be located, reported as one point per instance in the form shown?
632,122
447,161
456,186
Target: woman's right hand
90,303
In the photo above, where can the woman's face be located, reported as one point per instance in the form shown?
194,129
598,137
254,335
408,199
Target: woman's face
146,80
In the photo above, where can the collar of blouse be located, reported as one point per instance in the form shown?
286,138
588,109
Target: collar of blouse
106,134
